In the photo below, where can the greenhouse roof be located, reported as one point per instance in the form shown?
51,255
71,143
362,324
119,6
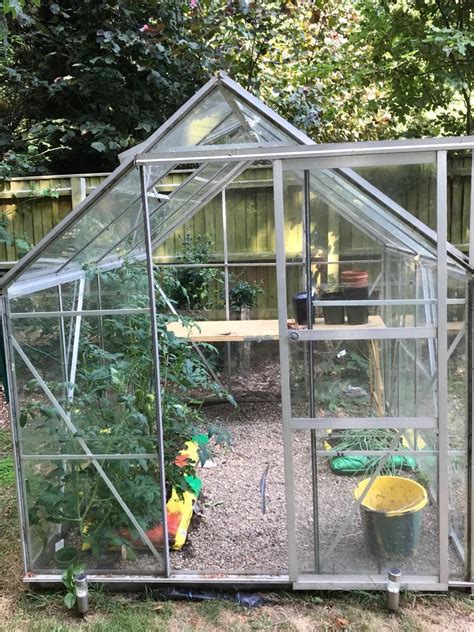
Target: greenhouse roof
217,134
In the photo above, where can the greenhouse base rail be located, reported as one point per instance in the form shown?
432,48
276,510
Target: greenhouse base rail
304,582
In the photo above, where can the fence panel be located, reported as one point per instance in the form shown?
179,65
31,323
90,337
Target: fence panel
31,207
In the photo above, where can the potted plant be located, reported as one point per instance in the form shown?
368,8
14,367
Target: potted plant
243,296
192,287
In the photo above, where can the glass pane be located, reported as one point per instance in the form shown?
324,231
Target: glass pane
458,430
253,294
75,516
335,196
221,117
413,187
202,120
85,388
205,227
204,186
458,516
353,539
459,197
250,217
261,128
100,216
364,378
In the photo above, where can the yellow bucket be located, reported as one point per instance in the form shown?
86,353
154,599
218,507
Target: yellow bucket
391,513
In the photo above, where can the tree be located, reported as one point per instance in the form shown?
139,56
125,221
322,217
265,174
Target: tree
297,57
89,79
420,55
343,70
84,80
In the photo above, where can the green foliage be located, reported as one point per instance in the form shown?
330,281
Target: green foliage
353,70
68,581
7,476
335,374
365,439
5,441
82,81
374,439
299,57
194,288
10,238
244,294
87,80
420,63
113,409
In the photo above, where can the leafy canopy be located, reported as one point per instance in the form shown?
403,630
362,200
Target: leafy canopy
81,81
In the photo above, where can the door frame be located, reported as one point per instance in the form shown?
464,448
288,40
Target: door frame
367,580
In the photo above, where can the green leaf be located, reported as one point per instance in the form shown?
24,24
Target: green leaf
130,554
70,600
22,245
98,146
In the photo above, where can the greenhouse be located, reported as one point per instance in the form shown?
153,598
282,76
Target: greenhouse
246,358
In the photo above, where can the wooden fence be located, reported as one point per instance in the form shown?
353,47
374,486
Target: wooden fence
33,206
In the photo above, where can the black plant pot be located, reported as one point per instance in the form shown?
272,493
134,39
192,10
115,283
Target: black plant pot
357,315
301,309
65,557
333,315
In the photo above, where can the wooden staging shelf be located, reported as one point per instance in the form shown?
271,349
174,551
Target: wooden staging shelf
246,330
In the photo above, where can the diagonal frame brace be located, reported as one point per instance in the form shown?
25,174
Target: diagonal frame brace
71,427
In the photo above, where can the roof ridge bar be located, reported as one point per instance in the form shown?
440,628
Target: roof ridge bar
334,150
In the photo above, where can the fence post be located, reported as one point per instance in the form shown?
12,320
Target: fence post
78,190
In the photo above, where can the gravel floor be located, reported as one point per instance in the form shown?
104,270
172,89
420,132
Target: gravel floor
232,533
339,515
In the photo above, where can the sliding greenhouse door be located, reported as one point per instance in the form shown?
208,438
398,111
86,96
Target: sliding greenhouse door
361,339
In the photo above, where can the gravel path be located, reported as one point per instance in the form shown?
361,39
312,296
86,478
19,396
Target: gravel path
233,534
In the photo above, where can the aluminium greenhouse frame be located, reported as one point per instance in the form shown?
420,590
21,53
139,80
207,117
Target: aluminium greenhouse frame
305,158
346,156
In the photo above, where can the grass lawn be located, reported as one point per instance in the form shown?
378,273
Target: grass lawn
23,610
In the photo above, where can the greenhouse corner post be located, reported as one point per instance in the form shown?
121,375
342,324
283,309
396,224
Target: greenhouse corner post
442,282
13,407
156,362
